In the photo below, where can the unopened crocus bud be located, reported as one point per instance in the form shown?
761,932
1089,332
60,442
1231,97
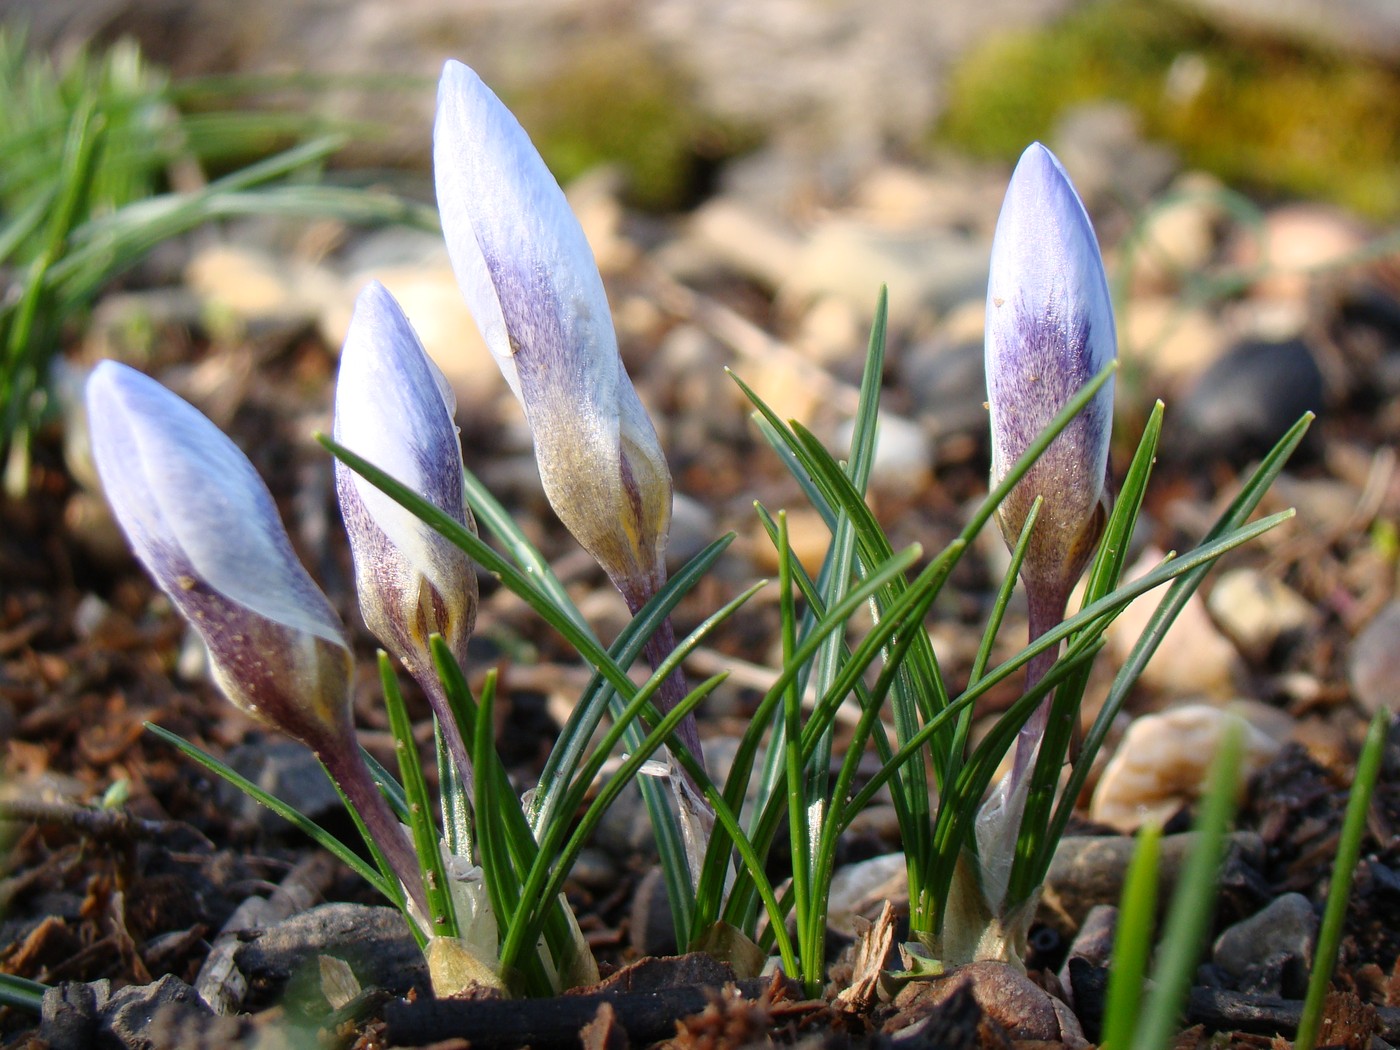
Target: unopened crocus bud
532,285
394,408
204,525
1049,331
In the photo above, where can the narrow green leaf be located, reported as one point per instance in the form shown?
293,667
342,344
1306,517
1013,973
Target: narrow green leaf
302,823
426,841
1193,902
20,993
1329,937
1132,942
1230,524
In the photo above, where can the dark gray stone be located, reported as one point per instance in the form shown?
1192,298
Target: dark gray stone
651,930
285,770
1373,665
1287,927
374,941
129,1018
948,384
1093,944
70,1014
1245,402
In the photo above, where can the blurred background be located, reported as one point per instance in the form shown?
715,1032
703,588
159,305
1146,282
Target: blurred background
1283,96
201,188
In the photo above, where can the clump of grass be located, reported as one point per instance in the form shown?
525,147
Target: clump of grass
616,102
101,165
1281,118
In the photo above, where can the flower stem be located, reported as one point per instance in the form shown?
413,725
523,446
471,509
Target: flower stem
659,646
349,771
1047,611
447,724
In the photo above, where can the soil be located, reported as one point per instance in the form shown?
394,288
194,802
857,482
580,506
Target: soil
138,890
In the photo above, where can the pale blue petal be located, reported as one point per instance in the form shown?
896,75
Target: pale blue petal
189,499
525,267
392,408
1049,324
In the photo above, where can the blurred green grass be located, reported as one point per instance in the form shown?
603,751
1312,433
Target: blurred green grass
1263,115
615,102
102,164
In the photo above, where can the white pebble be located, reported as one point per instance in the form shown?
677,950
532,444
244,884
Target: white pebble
1162,763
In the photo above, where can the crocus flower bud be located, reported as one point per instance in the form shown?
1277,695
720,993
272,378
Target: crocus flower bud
204,525
394,408
532,285
1049,331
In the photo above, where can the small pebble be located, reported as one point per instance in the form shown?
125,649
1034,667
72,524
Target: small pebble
1296,238
1088,870
286,770
1288,925
903,458
1103,150
594,870
1178,235
1245,402
1162,762
859,889
1257,610
808,539
129,1015
693,528
258,287
1006,995
832,332
374,940
923,271
1373,665
946,381
651,930
746,239
1174,343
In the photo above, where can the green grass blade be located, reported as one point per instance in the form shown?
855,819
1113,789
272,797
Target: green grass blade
20,993
442,915
571,745
302,823
510,828
629,769
499,874
453,799
492,516
1109,560
1329,937
904,618
799,828
668,834
712,873
1230,523
1193,902
840,557
388,786
1132,941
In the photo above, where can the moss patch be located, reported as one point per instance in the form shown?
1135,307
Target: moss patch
1256,112
617,103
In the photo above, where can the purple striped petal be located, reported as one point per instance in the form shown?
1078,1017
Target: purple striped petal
531,283
1049,331
394,408
201,520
